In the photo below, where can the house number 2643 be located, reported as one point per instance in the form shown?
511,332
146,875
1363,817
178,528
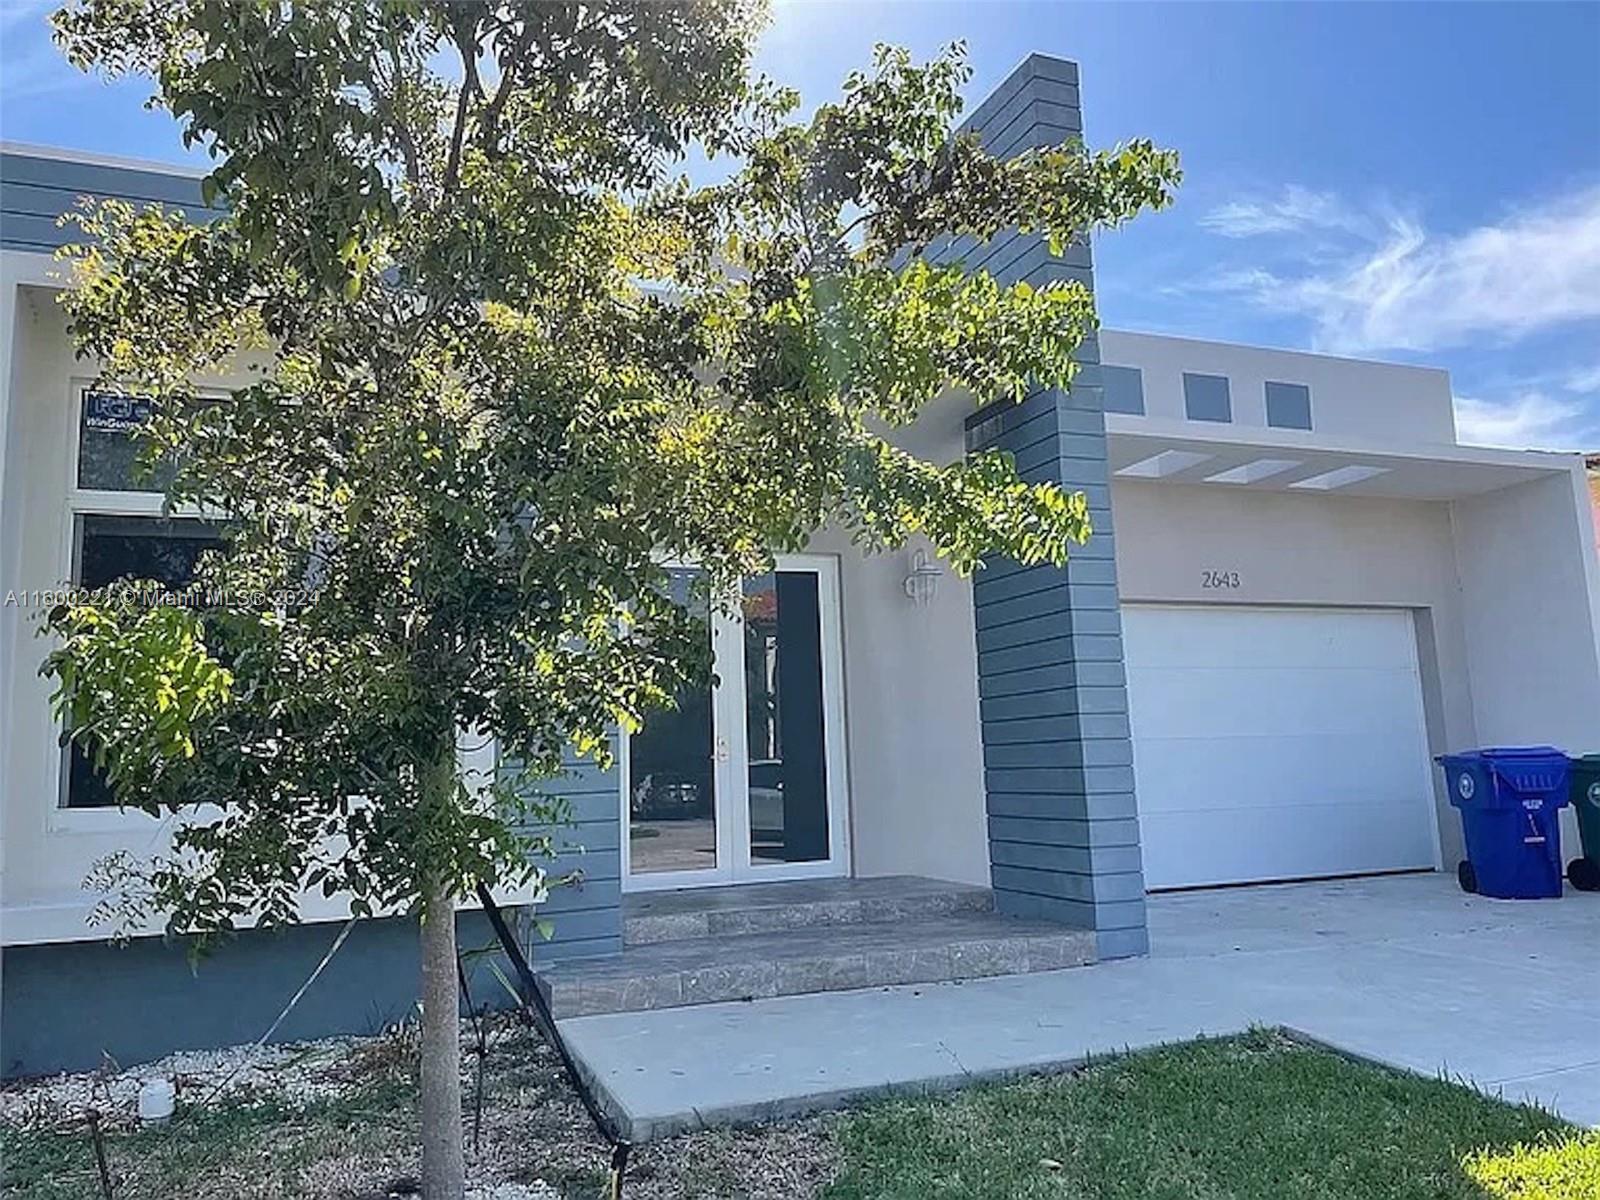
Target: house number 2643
1219,579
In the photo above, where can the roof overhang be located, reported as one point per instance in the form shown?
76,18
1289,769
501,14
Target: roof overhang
1273,460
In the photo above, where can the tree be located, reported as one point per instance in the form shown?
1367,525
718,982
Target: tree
492,364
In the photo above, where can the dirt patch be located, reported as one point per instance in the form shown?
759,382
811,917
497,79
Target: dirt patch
335,1120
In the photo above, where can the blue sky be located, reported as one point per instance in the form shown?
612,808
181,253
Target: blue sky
1416,182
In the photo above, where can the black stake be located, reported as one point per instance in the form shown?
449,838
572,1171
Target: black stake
481,1049
539,1015
619,1164
99,1140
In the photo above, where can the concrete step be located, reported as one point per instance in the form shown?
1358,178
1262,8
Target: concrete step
826,958
653,917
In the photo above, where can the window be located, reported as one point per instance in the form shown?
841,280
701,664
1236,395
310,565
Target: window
107,445
1205,397
166,550
109,548
1124,389
1288,405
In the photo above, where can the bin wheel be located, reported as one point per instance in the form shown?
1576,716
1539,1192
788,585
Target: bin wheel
1466,877
1584,874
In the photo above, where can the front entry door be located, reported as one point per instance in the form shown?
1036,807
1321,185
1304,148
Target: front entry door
744,780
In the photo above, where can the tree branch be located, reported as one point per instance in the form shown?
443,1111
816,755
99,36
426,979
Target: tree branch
465,33
508,79
408,143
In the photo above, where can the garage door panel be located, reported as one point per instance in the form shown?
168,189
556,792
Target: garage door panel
1195,849
1213,702
1247,637
1214,774
1277,743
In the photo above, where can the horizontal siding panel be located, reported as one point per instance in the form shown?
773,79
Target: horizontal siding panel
1054,271
1040,124
23,231
591,894
592,836
75,179
1088,753
1050,702
1083,860
1078,914
1025,253
1066,781
1045,605
1127,886
594,865
1059,885
1030,629
996,582
1062,804
1041,100
1048,651
1047,678
1066,831
580,926
1012,733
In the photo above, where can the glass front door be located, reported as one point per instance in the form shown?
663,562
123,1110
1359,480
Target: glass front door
743,781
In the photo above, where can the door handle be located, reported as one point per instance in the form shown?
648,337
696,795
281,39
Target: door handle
721,753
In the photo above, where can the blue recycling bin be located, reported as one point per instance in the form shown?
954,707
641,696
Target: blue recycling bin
1510,800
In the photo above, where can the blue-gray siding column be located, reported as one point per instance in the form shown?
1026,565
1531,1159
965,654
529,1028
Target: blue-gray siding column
1058,759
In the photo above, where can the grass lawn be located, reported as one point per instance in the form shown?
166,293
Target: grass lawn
1243,1118
1257,1116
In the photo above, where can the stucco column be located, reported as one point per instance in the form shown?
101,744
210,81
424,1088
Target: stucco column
1058,759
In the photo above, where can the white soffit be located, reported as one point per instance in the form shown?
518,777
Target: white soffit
1342,477
1253,472
1168,462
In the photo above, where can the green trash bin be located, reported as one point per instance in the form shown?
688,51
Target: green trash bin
1584,773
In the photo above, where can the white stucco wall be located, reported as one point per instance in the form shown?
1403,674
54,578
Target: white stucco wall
1387,403
1531,604
1287,548
911,703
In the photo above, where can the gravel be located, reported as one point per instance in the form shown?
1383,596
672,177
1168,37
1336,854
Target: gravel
534,1139
514,1191
291,1072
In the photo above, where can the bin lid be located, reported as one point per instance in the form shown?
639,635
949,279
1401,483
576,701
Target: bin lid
1518,752
1506,754
1523,771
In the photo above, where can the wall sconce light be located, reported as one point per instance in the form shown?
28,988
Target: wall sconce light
923,581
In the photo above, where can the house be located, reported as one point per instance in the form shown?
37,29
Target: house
1300,588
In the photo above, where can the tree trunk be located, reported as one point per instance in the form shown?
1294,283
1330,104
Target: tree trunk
443,1163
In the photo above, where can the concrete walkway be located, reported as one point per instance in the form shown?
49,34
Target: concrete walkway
1405,970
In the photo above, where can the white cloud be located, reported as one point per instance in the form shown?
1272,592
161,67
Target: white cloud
1583,381
1296,209
1530,421
1396,286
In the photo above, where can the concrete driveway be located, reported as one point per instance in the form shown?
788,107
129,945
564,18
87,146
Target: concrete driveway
1405,970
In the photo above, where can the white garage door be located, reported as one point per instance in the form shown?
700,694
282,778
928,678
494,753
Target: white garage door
1276,743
